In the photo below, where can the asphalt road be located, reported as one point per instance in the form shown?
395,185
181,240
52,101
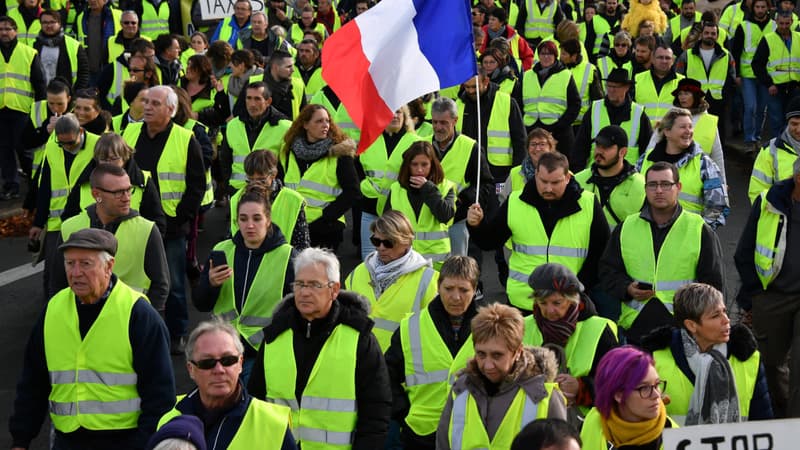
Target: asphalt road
21,304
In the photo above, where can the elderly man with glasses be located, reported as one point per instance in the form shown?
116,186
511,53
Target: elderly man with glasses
232,418
97,358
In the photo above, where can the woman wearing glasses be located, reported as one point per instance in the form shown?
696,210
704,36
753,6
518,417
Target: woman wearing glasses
394,278
703,190
112,149
712,368
248,275
629,411
427,199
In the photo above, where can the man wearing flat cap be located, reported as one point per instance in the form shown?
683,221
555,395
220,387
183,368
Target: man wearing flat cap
97,359
616,108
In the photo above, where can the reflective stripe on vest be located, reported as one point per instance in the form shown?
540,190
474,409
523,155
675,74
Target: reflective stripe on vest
269,138
381,167
674,266
766,173
132,236
770,248
656,104
92,377
38,115
783,64
498,136
317,194
395,302
155,19
455,161
539,23
544,103
61,182
583,74
284,213
431,238
626,198
705,131
427,369
714,80
568,243
266,291
325,418
581,345
752,36
171,167
467,430
631,126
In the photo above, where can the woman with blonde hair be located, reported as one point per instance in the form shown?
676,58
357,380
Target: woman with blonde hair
317,161
394,278
502,389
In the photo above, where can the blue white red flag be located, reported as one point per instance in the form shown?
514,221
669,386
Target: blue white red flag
395,52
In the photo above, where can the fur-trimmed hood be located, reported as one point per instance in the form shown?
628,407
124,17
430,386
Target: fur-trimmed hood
346,147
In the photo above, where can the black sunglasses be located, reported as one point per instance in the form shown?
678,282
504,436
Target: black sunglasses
210,363
377,242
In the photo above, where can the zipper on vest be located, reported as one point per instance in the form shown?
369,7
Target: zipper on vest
308,330
246,276
219,430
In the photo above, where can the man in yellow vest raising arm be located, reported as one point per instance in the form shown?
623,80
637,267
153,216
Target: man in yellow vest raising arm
653,253
765,259
320,358
214,361
98,358
141,261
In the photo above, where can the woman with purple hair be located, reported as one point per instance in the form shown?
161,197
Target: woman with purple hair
629,411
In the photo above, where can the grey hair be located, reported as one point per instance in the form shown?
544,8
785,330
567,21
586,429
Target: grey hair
215,325
313,256
693,299
444,105
172,97
259,13
105,257
174,444
541,294
67,124
668,121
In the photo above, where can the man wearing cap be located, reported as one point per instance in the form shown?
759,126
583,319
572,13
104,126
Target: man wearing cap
615,181
550,220
710,64
616,108
767,261
654,87
98,358
774,161
777,68
141,261
231,417
653,253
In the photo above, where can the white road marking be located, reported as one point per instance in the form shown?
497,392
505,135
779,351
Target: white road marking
19,272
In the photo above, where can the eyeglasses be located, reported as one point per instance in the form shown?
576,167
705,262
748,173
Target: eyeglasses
120,193
377,242
136,70
546,54
664,185
48,22
646,391
210,363
538,144
314,285
130,22
108,160
621,45
70,144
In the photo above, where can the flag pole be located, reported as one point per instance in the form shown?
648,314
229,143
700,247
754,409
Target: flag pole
480,127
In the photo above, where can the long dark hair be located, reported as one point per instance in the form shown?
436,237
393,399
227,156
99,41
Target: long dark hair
436,174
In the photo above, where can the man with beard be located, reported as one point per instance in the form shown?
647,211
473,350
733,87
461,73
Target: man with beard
287,91
61,55
643,49
688,16
613,14
309,66
711,65
260,37
654,87
616,108
550,220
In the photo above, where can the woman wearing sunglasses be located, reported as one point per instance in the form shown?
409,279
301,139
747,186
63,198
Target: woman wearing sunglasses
248,275
427,199
629,412
713,368
394,278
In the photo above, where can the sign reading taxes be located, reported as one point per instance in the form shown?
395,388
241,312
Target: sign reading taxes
219,9
757,435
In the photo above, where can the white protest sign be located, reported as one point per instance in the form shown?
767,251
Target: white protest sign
219,9
757,435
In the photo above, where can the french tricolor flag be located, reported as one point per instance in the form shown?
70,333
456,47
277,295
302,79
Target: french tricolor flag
395,52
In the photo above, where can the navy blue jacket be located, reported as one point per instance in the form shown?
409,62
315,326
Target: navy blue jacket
151,362
221,426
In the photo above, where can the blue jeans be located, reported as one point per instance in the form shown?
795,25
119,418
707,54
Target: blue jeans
775,112
366,245
459,238
754,96
176,315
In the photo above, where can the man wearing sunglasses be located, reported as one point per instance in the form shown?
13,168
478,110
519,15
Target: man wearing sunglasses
232,418
141,261
98,358
67,163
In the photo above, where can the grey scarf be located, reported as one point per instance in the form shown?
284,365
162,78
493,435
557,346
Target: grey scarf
714,399
789,139
384,275
310,152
